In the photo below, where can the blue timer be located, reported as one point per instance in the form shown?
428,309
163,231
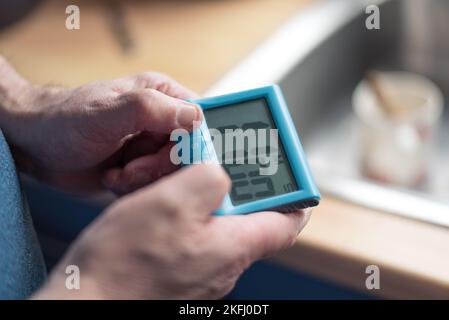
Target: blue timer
285,184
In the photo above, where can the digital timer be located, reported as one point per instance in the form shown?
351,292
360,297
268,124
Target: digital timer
284,183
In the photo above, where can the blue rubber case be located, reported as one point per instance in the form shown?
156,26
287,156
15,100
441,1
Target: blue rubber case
308,194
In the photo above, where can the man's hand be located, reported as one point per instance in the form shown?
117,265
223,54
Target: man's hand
113,133
162,242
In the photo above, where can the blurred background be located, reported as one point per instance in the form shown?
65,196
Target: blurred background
370,106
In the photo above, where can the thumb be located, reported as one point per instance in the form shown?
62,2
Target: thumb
261,234
151,110
195,191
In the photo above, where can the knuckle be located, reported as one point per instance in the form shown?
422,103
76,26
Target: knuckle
135,99
150,74
156,76
156,80
192,251
218,178
150,93
145,76
169,206
162,82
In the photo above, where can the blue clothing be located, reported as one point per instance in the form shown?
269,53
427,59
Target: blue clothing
22,268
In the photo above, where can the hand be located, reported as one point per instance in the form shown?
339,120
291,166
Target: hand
161,242
114,133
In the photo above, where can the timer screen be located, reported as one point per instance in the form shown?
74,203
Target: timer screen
248,184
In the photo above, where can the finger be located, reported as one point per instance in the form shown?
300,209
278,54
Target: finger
144,144
140,171
195,190
165,84
151,110
259,235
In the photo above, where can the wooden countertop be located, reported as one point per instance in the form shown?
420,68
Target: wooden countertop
196,42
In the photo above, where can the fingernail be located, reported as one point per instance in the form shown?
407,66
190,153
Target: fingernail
186,114
306,213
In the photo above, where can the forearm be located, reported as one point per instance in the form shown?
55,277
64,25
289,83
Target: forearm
14,90
17,107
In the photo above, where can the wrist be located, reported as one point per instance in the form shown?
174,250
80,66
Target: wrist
22,109
14,92
62,286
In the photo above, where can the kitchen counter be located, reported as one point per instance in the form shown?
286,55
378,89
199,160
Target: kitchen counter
196,42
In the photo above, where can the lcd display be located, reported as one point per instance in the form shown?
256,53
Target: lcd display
249,182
